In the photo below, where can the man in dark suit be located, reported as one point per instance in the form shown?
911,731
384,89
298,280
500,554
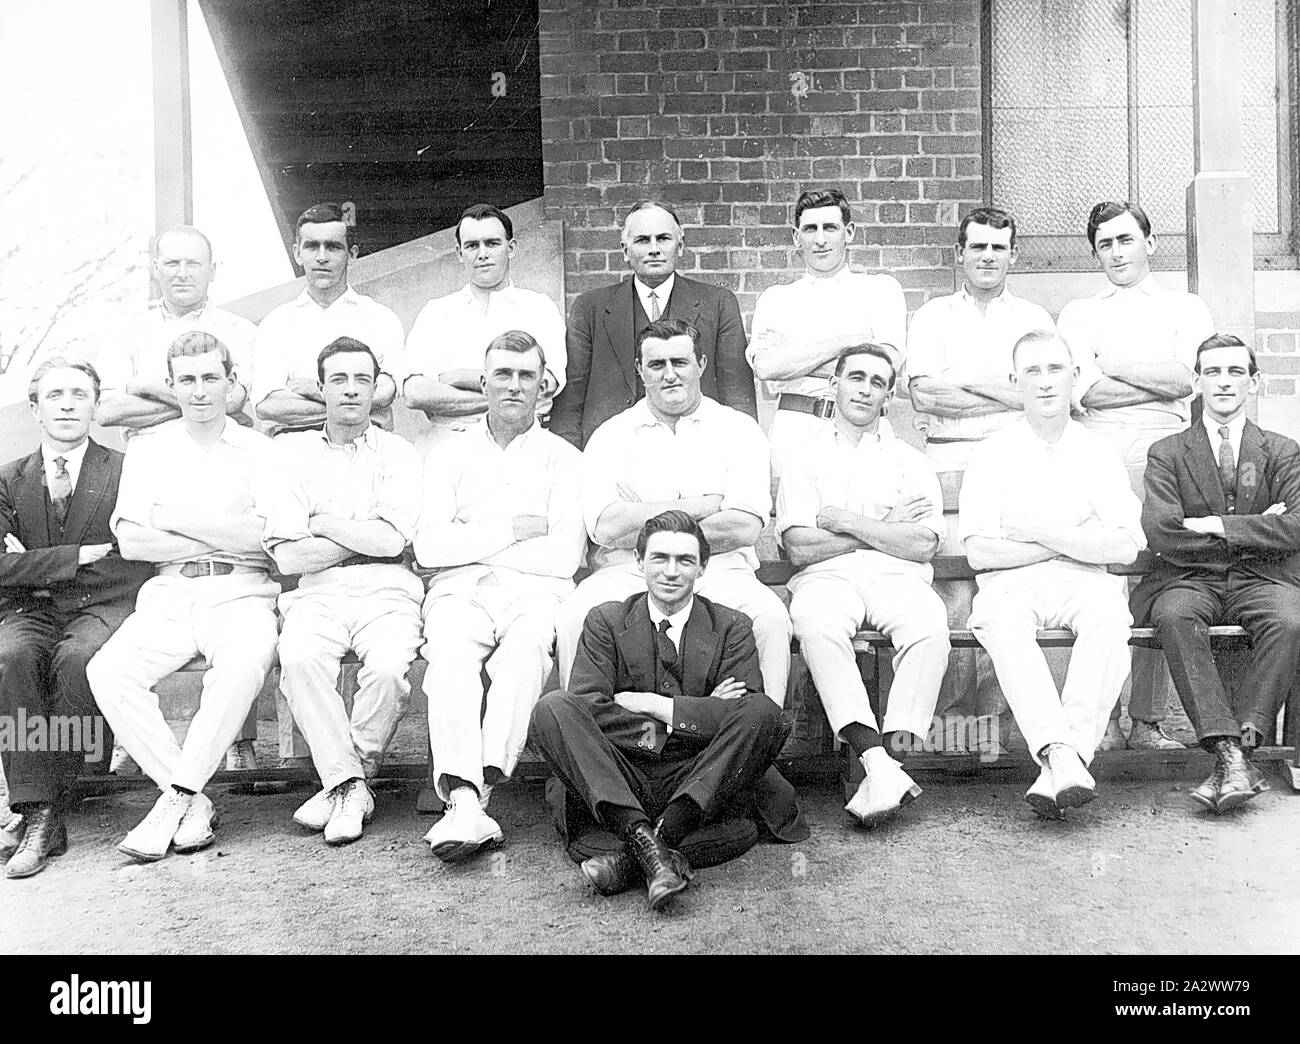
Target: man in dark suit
1222,513
602,375
665,719
63,590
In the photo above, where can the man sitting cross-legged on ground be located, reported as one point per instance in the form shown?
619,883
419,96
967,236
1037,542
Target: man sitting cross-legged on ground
503,526
192,500
1045,507
1222,510
346,503
860,514
665,721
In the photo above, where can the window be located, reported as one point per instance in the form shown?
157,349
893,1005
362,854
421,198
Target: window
1091,101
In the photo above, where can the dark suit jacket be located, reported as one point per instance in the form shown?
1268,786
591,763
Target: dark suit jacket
617,653
1182,481
50,561
601,379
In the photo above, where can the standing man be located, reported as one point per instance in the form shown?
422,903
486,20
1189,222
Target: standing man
860,516
1045,507
1222,513
1135,344
665,721
502,525
289,341
604,325
677,449
800,328
63,590
193,501
444,352
345,507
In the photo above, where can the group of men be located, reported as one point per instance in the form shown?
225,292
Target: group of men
672,657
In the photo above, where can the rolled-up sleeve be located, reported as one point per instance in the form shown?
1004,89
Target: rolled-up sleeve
798,501
747,483
979,506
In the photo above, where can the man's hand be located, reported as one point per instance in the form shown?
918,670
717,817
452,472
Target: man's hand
651,704
832,519
88,553
13,545
729,689
529,526
305,387
322,524
910,509
1211,524
1275,509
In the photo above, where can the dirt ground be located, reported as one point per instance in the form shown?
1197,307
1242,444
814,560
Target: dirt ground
966,869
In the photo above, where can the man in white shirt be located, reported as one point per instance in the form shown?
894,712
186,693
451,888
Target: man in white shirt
1045,507
346,504
860,517
800,328
1135,345
193,501
444,351
502,525
286,394
677,449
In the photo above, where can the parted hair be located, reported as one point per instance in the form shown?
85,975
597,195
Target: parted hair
673,522
662,329
480,211
880,351
323,213
199,342
339,346
1108,210
60,362
1219,340
518,341
1039,337
993,217
822,197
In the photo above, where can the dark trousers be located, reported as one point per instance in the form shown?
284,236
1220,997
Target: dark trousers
709,772
43,657
1182,615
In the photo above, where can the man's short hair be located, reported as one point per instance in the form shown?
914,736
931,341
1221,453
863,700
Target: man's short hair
880,351
994,217
1039,337
673,522
651,204
1108,210
60,362
1219,340
339,346
482,211
321,214
662,329
824,197
177,230
518,341
199,342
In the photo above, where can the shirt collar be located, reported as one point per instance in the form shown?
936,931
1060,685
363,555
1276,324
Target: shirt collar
678,619
369,438
159,307
519,440
466,292
1004,297
662,291
1148,286
72,458
349,295
883,432
643,418
1235,427
839,277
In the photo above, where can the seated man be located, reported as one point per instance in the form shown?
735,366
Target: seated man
860,514
63,590
346,502
1045,507
1222,512
665,720
503,526
679,449
193,501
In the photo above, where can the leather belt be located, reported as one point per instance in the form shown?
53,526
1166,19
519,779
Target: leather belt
355,560
943,440
193,570
824,408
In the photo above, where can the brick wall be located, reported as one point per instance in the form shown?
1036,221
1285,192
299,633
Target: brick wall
730,109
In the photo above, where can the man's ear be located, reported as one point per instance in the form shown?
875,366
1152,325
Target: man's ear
849,229
1151,244
704,362
354,251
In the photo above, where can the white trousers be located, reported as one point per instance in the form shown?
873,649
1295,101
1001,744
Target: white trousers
319,629
827,610
735,588
1012,605
510,631
230,620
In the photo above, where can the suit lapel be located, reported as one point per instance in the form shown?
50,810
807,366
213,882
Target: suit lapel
33,503
638,644
92,484
684,302
1250,470
620,330
700,647
1204,469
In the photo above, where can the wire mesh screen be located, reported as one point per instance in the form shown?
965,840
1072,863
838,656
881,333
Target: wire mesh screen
1063,93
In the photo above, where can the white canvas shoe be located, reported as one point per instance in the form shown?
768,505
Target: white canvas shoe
353,807
885,790
464,830
241,756
120,763
1042,796
150,840
195,830
1074,783
315,812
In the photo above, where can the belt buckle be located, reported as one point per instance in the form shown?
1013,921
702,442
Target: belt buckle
824,408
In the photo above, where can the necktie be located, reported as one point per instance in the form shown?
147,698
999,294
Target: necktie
666,649
61,492
1227,462
654,307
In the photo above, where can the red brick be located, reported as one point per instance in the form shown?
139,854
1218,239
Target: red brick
693,103
693,170
750,103
888,145
869,100
629,105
